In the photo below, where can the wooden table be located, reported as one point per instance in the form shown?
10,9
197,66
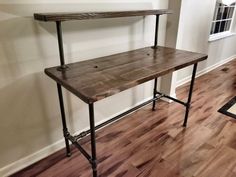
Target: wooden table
96,79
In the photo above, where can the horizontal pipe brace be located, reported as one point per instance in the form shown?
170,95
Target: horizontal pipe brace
173,99
79,147
82,134
87,132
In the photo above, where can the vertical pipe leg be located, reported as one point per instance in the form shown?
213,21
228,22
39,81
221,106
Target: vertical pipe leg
154,94
155,46
93,139
190,95
60,46
62,62
63,118
156,31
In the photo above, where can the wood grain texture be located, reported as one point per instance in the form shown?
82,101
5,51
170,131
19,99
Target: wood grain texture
96,79
64,16
154,144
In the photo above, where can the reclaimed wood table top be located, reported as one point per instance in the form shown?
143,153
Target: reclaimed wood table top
96,79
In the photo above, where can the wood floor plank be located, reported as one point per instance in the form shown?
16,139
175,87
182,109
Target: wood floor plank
221,164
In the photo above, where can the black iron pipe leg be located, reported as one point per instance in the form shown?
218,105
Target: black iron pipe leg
154,94
155,46
62,62
190,95
93,139
63,118
156,31
63,67
60,42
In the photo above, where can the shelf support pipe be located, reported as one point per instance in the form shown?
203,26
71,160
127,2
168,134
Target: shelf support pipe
155,48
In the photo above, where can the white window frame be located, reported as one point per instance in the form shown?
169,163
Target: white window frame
224,34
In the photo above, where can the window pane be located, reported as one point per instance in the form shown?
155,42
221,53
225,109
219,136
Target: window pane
231,12
222,26
217,27
213,27
225,13
227,26
216,11
219,13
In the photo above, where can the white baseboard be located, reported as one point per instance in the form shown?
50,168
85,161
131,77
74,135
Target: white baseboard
206,70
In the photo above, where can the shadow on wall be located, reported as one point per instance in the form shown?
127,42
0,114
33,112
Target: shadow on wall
28,105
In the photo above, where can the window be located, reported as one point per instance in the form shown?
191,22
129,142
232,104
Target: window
223,18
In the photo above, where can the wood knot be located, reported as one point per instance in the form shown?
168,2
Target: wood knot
225,69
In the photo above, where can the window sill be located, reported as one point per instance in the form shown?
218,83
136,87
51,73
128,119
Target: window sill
219,36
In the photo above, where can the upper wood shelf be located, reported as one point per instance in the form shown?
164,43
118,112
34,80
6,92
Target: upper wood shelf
96,15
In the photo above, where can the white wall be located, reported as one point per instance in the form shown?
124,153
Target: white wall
193,35
30,121
168,82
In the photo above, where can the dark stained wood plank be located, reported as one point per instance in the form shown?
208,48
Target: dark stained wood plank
150,143
64,16
96,79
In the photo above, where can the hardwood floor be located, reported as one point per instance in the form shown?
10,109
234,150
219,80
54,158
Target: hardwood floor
154,144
